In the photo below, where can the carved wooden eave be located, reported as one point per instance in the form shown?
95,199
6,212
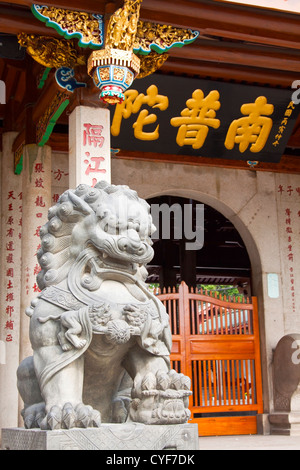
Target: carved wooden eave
250,32
49,106
150,41
87,28
235,44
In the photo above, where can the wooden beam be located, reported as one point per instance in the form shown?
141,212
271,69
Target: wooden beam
229,72
288,164
59,143
275,26
240,54
250,38
40,114
93,6
14,21
212,19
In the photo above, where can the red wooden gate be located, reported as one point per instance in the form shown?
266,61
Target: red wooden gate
216,343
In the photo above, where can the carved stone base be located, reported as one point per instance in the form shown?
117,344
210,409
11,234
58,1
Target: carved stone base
285,424
132,436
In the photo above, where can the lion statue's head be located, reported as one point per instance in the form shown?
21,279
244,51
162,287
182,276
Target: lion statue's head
111,219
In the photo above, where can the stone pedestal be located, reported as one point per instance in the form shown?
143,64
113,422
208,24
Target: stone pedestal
134,436
285,419
285,424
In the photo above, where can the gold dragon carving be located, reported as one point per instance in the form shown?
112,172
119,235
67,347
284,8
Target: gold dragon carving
151,62
51,52
122,26
125,32
71,21
158,35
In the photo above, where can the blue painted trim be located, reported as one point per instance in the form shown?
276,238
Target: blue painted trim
111,80
64,77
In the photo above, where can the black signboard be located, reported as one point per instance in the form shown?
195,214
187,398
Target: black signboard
204,118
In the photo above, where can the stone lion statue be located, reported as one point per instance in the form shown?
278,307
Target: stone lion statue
101,341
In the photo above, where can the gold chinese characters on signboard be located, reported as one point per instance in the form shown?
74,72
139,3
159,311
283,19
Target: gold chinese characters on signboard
184,116
195,121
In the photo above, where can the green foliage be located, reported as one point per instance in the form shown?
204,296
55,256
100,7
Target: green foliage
222,290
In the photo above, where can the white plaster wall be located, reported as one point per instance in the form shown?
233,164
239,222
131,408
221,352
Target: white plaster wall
254,204
250,200
11,352
287,189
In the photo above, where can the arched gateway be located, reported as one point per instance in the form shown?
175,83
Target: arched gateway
215,328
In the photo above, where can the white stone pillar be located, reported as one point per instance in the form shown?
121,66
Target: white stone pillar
89,146
11,232
36,180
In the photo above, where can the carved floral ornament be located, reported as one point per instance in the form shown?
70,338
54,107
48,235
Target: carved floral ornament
51,52
131,48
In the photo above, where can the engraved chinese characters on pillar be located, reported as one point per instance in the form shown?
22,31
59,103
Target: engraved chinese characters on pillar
89,146
288,197
13,233
92,137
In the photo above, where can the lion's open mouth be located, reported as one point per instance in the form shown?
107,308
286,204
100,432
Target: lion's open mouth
116,253
105,260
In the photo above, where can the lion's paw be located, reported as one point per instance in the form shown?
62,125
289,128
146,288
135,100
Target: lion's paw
68,416
162,399
170,411
33,415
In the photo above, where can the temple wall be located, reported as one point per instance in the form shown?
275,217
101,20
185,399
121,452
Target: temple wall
25,200
265,209
263,206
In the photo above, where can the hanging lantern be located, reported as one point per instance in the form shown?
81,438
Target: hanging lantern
113,71
131,47
114,68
